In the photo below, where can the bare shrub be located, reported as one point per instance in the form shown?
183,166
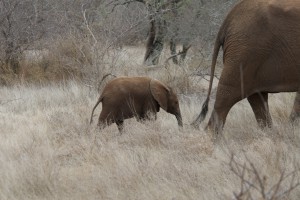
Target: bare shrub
254,185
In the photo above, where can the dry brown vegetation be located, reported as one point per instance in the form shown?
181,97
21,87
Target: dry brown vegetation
48,150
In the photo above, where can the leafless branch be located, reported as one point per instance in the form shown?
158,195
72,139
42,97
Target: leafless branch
87,24
252,179
117,3
202,75
175,55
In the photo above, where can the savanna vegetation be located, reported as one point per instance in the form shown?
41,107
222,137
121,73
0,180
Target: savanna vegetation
53,57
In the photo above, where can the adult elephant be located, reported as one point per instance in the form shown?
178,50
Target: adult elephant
127,97
261,55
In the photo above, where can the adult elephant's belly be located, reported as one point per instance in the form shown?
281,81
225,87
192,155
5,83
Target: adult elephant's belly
277,75
276,86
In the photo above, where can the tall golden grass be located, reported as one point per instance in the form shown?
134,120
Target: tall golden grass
48,149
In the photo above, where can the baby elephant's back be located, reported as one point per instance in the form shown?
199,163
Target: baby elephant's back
123,86
126,95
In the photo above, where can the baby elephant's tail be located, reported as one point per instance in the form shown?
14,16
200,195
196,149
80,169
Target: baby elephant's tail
99,100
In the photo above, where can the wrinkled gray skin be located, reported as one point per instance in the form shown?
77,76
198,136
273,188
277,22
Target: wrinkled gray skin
127,97
261,55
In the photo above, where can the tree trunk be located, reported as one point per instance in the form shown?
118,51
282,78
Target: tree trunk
157,33
173,51
183,53
150,41
155,42
11,59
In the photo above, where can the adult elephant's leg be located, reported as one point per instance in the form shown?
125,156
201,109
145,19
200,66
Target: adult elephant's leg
226,97
296,108
260,107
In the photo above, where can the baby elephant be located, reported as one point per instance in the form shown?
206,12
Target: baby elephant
127,97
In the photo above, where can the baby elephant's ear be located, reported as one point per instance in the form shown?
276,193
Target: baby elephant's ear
160,92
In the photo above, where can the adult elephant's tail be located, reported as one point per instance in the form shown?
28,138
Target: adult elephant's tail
219,42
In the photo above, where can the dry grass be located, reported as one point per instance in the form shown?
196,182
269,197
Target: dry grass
48,150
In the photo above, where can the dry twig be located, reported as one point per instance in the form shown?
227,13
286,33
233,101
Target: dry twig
253,184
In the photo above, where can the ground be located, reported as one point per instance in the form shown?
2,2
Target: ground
48,149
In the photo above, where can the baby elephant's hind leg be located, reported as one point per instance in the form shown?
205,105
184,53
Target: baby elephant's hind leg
103,123
104,119
120,124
